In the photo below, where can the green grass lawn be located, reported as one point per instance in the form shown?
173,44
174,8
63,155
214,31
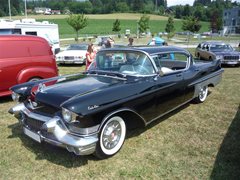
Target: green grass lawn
198,141
103,24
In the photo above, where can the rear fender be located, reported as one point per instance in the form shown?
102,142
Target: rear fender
41,72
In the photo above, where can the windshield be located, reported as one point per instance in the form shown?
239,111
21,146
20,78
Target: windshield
77,47
221,47
124,62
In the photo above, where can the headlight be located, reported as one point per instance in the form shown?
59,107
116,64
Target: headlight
59,57
77,57
15,96
68,116
219,57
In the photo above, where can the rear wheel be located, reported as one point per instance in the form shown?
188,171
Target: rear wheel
202,96
198,56
34,79
111,138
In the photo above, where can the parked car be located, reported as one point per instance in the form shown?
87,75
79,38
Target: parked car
23,59
124,88
74,54
218,50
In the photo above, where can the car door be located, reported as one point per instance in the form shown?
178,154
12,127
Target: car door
170,86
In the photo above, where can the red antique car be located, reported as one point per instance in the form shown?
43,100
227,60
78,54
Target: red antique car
23,59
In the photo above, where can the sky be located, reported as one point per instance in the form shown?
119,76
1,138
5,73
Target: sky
184,2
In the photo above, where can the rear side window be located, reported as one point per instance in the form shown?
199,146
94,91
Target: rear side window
172,61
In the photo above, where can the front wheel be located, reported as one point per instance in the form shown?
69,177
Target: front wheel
112,137
202,96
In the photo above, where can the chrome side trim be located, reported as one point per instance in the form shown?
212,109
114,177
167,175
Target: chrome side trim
168,112
217,73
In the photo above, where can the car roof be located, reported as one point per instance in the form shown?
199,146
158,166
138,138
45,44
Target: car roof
213,42
85,44
149,49
21,37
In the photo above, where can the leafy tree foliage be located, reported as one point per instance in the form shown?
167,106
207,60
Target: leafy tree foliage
116,26
186,11
216,21
202,2
143,23
191,24
170,27
77,22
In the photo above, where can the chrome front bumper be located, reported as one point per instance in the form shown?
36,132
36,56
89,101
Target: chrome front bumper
54,131
71,61
229,62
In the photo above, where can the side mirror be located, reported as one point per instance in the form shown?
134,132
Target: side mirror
160,72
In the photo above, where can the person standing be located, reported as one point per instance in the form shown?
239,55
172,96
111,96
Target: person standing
130,41
90,55
153,42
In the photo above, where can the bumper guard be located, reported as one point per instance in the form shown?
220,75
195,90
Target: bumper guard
80,145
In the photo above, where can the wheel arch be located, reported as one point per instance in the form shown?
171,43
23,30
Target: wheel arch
131,118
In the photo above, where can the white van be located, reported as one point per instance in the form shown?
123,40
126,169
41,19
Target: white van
43,29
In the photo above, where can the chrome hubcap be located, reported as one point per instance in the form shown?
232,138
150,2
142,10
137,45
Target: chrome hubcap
111,135
203,92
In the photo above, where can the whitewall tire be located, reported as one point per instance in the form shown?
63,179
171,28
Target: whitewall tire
111,138
202,96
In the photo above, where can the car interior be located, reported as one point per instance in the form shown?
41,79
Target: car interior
134,63
170,62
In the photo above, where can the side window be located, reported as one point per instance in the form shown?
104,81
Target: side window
171,62
204,47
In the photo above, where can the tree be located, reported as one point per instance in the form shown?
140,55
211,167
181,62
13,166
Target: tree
122,7
170,27
178,11
77,22
143,23
116,26
138,5
186,11
202,2
191,24
215,21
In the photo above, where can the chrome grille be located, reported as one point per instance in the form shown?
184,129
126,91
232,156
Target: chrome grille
33,123
231,57
69,57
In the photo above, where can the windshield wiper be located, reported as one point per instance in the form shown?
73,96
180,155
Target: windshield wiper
107,73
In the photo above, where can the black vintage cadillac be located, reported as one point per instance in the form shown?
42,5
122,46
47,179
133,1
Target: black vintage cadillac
124,88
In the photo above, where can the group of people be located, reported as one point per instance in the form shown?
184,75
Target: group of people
91,51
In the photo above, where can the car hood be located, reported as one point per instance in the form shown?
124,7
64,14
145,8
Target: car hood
227,53
66,88
72,53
